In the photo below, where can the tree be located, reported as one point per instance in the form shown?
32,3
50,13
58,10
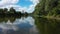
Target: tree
1,10
12,10
48,7
5,10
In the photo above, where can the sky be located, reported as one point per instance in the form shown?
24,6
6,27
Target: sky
19,5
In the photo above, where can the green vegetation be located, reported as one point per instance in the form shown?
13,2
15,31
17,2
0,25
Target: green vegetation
50,11
11,13
48,8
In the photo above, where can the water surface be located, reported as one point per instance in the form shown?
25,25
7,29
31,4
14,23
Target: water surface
23,25
29,25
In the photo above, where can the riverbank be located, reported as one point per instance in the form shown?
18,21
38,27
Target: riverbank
51,17
48,17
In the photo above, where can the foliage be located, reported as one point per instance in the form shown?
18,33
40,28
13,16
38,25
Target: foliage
48,7
11,12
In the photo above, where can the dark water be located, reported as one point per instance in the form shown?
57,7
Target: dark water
29,25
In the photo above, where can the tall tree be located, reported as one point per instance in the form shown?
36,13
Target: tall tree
48,7
5,10
12,10
1,10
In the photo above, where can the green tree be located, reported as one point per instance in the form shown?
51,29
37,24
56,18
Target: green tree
5,10
12,10
47,7
1,10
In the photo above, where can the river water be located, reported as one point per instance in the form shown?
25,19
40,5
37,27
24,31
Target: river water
29,25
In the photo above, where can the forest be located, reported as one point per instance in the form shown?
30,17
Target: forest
11,12
48,8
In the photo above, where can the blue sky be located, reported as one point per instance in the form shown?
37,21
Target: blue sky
19,5
24,3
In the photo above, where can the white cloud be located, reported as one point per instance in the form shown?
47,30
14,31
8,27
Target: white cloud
12,3
32,7
7,2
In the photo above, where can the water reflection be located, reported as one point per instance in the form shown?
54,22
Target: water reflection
29,25
48,26
23,25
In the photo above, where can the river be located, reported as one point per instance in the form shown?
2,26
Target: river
29,25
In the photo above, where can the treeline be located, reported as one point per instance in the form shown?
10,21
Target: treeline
48,8
11,12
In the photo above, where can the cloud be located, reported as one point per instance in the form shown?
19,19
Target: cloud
32,7
12,3
8,2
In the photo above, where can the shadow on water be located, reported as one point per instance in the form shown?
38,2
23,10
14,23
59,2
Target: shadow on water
18,25
48,26
11,18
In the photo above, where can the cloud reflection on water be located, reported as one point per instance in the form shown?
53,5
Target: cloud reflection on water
19,26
